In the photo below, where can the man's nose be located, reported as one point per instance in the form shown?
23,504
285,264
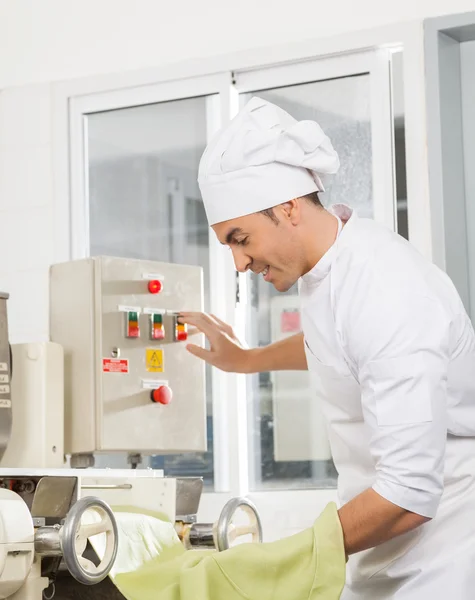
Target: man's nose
241,260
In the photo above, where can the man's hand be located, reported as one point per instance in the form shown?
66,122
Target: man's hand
226,351
228,354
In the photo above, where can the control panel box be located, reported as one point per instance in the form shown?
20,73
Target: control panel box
130,384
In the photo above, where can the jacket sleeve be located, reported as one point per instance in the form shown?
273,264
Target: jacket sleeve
396,338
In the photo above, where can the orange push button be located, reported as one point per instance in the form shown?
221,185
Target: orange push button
162,395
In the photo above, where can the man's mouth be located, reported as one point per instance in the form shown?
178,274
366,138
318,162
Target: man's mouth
266,273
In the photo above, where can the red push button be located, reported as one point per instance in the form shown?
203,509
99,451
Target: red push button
162,395
181,332
158,333
133,331
155,286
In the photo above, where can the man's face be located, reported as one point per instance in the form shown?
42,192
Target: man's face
264,246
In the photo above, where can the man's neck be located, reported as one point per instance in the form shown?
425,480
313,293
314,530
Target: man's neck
321,235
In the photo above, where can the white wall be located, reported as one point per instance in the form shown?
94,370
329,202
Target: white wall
26,210
45,40
53,40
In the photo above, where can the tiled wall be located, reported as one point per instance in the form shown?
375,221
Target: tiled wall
26,208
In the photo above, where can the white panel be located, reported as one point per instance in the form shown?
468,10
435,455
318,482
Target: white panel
147,493
130,421
120,488
37,407
113,411
72,326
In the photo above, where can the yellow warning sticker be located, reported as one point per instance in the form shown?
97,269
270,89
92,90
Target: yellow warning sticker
154,360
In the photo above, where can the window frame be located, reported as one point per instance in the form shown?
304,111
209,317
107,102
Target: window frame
222,280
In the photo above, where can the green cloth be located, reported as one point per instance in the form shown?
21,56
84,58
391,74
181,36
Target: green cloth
152,564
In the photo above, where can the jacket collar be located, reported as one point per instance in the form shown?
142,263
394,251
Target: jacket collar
346,216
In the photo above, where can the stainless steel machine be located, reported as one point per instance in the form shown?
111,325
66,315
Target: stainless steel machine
115,377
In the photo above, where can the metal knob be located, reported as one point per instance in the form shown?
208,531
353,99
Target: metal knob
74,535
226,532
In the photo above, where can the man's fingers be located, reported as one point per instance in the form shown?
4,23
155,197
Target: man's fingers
193,331
224,325
194,317
199,352
184,314
202,322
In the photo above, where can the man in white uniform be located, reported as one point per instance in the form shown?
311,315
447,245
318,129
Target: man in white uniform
388,338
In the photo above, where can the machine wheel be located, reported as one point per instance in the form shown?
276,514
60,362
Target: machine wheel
227,532
74,536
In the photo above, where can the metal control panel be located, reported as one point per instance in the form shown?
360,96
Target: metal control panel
130,384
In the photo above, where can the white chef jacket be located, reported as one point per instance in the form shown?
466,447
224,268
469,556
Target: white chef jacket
392,355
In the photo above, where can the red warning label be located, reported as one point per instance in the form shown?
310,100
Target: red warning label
115,365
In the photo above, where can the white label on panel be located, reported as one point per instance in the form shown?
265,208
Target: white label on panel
154,311
4,389
152,276
135,309
5,403
4,379
3,366
152,384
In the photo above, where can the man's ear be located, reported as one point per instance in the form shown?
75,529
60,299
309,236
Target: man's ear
291,211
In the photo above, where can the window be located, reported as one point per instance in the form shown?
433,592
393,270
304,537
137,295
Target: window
144,202
289,447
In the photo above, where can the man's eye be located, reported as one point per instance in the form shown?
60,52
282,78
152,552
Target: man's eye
242,242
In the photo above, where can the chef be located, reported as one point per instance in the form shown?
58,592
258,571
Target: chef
387,338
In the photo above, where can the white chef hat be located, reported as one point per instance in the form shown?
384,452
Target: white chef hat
262,158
